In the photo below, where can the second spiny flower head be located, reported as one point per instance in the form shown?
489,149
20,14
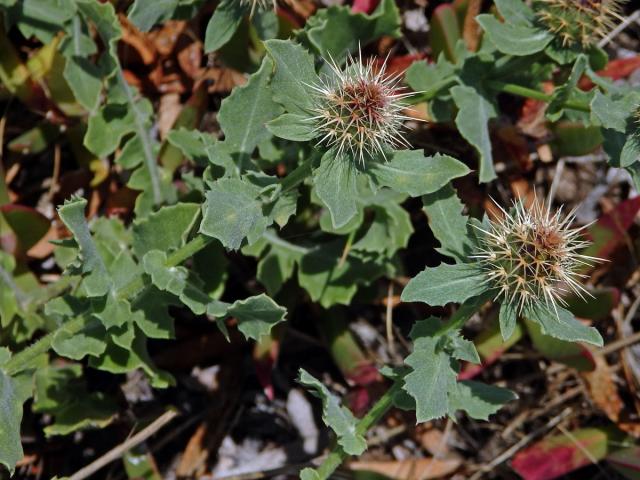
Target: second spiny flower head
531,256
578,22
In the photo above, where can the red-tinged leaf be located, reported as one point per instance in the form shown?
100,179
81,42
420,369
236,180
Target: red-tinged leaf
490,346
445,31
28,226
610,230
626,462
398,64
615,70
558,455
364,6
265,354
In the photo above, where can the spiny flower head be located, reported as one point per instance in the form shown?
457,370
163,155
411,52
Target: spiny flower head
530,256
578,22
358,109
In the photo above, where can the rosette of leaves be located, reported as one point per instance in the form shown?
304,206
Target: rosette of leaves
340,175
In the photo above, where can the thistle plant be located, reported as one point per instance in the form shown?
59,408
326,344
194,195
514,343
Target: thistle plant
578,22
358,109
531,256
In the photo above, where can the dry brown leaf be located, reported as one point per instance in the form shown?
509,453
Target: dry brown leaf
603,390
415,469
168,111
471,29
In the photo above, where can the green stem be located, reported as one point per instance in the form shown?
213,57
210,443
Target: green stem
21,361
379,409
526,92
427,95
296,177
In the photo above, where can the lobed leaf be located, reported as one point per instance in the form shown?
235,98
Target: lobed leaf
335,416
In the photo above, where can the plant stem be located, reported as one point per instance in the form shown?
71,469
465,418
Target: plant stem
526,92
426,95
20,361
379,409
297,176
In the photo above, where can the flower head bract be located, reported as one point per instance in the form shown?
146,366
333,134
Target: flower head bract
531,256
578,22
358,109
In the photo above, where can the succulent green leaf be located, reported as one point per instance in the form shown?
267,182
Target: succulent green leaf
244,114
257,315
232,213
335,416
444,211
478,399
294,73
97,281
445,283
335,184
410,172
561,324
508,316
223,24
472,120
514,39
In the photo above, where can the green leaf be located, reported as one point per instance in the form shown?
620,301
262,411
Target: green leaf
432,374
291,126
233,213
555,109
90,340
83,77
12,396
444,211
43,18
90,411
508,316
335,416
562,324
331,280
294,73
174,280
224,22
409,171
165,229
389,231
445,283
336,31
276,267
472,120
514,39
97,281
516,12
335,184
244,114
257,315
144,14
444,32
478,399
